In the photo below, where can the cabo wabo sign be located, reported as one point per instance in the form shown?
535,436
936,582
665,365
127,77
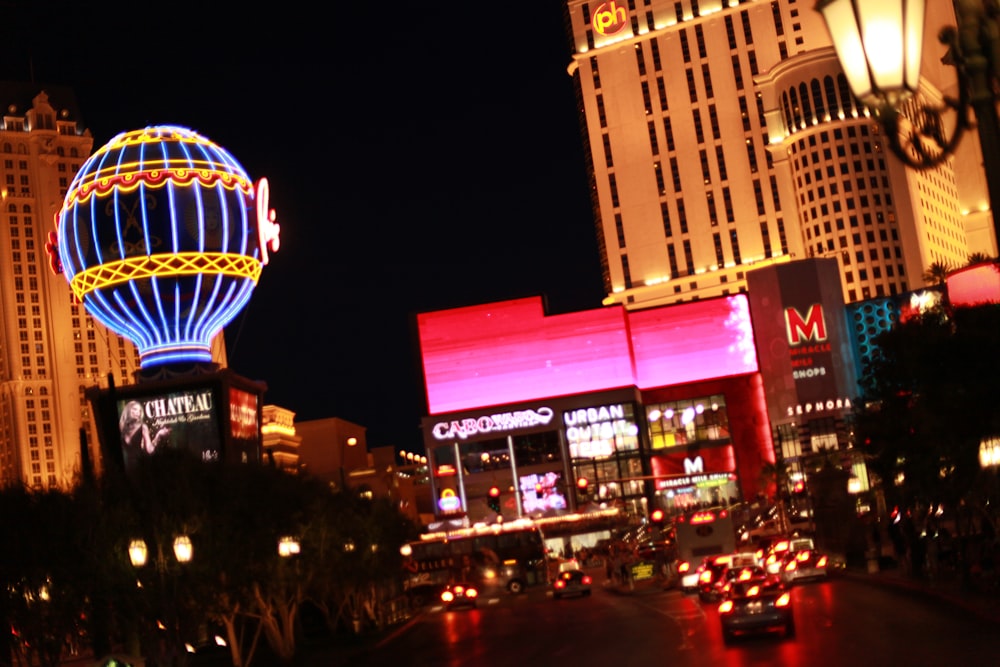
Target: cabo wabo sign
496,423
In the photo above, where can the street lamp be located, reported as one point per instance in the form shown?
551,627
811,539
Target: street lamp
288,546
183,550
854,485
878,43
989,452
138,554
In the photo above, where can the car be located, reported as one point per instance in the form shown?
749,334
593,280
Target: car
458,595
803,565
690,575
571,583
709,573
736,571
762,604
774,552
687,576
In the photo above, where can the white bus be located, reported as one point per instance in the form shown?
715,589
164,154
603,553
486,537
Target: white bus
701,534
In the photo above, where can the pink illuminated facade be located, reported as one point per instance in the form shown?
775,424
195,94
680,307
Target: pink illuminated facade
662,407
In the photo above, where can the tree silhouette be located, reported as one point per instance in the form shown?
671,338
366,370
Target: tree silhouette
936,273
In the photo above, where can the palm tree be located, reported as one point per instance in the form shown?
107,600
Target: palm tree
775,478
936,273
978,258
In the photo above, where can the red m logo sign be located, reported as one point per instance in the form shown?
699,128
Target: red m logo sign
810,327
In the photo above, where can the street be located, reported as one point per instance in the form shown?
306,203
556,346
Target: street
840,621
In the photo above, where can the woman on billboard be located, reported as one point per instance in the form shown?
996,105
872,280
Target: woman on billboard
135,433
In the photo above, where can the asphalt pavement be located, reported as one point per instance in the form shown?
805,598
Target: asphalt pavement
979,595
976,593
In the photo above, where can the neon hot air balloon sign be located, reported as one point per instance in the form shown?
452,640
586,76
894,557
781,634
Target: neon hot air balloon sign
162,236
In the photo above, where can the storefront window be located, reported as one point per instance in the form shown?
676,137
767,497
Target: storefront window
691,421
484,456
601,431
537,448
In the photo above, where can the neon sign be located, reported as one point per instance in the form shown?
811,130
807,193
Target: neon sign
597,431
268,231
242,414
819,406
163,238
609,19
810,327
449,502
504,421
692,466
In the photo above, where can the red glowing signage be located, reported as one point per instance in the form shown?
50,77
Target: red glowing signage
610,18
977,284
268,231
690,342
511,352
697,462
243,414
801,329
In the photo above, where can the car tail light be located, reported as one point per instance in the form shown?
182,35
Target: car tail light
792,566
684,567
783,600
753,591
781,546
745,574
560,583
726,607
447,596
821,562
802,556
471,592
587,579
758,554
705,577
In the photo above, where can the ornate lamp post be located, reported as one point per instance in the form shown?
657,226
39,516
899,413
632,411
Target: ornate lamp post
138,554
879,47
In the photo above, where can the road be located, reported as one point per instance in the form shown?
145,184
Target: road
839,622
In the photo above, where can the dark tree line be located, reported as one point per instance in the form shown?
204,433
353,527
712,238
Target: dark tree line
69,583
930,394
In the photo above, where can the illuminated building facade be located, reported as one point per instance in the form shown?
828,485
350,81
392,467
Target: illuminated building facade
53,350
279,438
722,137
667,407
533,403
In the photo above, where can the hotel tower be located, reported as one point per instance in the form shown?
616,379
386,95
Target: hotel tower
722,137
52,350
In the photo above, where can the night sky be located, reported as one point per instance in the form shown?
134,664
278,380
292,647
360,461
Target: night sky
420,158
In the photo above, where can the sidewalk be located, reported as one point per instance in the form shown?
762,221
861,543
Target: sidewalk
978,595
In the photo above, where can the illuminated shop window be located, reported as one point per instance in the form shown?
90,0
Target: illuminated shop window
601,431
681,423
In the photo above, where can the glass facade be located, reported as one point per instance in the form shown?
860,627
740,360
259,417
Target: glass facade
675,455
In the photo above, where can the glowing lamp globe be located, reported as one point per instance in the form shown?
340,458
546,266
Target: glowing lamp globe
163,237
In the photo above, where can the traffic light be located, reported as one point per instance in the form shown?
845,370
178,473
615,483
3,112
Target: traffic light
656,517
582,484
494,499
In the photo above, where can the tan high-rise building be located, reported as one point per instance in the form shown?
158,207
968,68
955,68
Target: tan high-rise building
722,137
51,350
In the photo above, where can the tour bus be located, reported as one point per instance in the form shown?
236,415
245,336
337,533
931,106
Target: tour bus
700,534
509,556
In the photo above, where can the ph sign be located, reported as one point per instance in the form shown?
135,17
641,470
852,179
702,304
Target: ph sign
610,18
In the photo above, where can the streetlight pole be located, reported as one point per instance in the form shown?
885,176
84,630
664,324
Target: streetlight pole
879,46
183,552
